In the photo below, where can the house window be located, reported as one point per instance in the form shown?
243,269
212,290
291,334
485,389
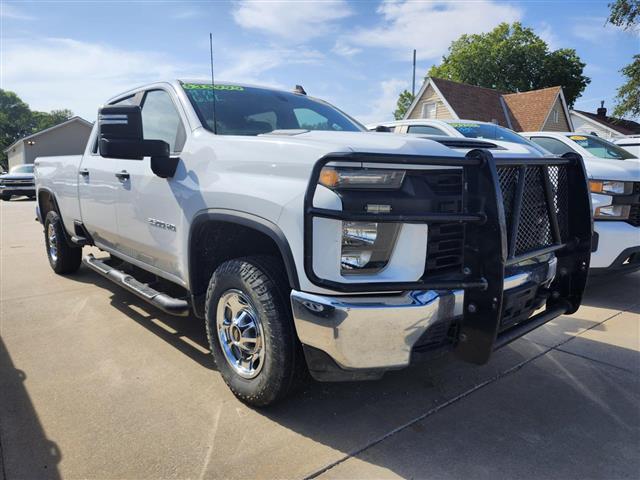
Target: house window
556,116
429,110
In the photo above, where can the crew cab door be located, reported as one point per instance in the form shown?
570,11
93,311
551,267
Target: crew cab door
148,211
98,190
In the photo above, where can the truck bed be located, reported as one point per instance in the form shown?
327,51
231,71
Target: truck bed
60,175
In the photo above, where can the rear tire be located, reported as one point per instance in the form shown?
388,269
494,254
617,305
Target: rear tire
251,332
63,258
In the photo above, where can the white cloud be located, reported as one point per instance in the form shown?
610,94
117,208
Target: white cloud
55,73
386,99
596,29
546,33
300,21
431,27
345,50
239,65
187,14
9,11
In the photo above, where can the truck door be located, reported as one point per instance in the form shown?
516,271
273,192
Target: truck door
98,189
148,211
98,193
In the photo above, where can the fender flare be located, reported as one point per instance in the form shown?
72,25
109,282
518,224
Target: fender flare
56,207
250,221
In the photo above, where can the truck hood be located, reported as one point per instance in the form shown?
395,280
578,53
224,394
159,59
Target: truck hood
17,176
624,170
369,142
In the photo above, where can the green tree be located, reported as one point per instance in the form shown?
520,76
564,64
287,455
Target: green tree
628,96
626,14
43,120
404,102
512,58
17,120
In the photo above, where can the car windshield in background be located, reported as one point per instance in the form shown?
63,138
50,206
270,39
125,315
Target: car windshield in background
601,148
252,111
22,169
488,132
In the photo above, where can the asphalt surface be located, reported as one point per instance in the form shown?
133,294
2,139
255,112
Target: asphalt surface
94,383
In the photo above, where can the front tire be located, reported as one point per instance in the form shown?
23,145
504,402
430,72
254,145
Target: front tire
6,198
250,330
63,258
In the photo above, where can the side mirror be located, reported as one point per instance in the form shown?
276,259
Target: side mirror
120,136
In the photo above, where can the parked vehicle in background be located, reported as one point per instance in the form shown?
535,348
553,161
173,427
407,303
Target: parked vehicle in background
614,180
18,182
631,144
503,137
305,242
587,146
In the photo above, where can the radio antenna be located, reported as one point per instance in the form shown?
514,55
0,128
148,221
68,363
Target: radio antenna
213,85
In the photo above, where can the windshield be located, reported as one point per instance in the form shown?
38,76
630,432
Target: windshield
252,111
600,148
22,169
488,131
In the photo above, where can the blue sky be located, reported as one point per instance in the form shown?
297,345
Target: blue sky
357,55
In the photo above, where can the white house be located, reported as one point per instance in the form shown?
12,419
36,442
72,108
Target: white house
602,125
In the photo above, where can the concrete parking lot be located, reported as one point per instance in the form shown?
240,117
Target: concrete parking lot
94,383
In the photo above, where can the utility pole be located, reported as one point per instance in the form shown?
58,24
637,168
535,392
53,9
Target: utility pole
413,78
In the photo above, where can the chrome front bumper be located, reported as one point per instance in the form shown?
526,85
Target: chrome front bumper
378,332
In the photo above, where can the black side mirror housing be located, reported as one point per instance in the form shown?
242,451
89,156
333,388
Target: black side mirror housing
120,136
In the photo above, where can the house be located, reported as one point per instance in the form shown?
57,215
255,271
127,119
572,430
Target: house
67,138
602,125
544,109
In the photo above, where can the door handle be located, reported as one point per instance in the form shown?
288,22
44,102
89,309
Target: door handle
122,175
84,172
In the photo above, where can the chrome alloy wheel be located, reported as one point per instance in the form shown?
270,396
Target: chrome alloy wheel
240,333
51,240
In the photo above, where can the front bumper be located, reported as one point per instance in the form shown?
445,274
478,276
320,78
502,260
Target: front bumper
366,335
28,190
617,242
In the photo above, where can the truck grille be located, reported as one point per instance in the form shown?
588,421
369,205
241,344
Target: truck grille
445,246
535,225
634,214
17,183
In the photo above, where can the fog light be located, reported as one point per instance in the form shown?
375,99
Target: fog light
613,212
359,233
367,246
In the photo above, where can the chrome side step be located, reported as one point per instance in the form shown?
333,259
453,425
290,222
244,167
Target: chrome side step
166,303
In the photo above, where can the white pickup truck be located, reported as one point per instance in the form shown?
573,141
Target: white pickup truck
614,181
307,243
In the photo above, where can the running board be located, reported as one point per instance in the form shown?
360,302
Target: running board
80,241
166,303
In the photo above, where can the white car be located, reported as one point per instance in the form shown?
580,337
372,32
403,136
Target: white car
508,140
614,180
630,143
305,242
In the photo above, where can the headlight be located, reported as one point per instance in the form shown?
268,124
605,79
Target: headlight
361,178
613,212
610,187
367,246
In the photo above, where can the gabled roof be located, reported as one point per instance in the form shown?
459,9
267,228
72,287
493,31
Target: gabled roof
620,125
530,110
518,111
33,135
470,101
